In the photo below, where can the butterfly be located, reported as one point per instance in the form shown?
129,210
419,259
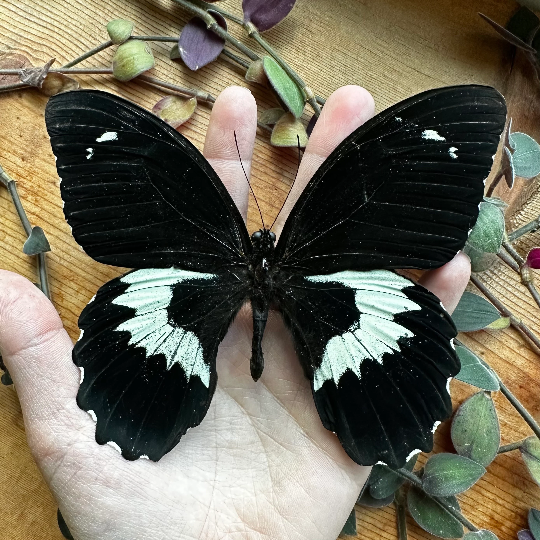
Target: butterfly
400,192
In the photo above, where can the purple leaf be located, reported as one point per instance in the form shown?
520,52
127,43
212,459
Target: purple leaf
199,46
525,534
533,258
264,14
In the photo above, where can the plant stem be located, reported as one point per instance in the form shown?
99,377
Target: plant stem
401,514
217,9
306,90
88,54
413,479
202,96
509,447
11,186
532,226
244,63
213,26
80,71
508,260
520,326
520,408
494,184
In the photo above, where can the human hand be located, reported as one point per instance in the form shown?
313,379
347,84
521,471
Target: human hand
260,463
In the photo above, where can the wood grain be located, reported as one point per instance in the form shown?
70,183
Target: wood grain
395,48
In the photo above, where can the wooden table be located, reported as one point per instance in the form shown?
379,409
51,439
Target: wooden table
394,48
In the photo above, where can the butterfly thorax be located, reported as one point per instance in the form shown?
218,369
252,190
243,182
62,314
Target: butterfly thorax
261,269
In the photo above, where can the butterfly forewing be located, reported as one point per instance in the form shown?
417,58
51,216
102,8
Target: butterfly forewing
403,190
137,194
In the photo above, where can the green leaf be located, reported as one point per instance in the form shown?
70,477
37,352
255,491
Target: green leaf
284,86
530,452
480,261
526,156
534,523
131,59
366,499
475,429
497,202
450,474
383,483
349,529
474,371
500,324
487,234
271,116
431,517
119,30
482,534
474,313
36,243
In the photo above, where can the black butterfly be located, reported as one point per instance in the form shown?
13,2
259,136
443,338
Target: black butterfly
401,192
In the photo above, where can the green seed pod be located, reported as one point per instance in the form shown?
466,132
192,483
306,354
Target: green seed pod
131,59
119,30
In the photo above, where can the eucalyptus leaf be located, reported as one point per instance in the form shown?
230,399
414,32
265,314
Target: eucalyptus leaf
487,234
482,534
450,474
349,529
431,517
526,156
497,202
530,452
474,313
534,523
500,324
366,499
475,429
36,243
480,261
474,371
383,483
285,87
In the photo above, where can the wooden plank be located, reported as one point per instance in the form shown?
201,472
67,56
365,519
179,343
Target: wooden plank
394,48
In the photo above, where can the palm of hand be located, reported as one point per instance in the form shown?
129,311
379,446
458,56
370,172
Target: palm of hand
260,463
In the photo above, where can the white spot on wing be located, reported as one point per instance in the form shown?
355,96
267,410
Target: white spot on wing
413,453
81,334
92,415
115,446
399,119
82,375
452,151
150,293
432,135
435,426
108,136
90,153
144,456
379,297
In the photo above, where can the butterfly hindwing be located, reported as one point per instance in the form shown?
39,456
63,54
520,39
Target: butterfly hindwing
137,193
378,351
147,355
402,191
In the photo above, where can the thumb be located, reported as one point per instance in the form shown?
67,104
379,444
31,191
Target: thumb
37,352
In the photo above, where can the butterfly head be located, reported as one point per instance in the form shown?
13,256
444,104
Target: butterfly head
263,240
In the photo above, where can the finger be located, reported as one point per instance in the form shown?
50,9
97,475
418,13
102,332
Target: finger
234,111
345,110
37,351
449,281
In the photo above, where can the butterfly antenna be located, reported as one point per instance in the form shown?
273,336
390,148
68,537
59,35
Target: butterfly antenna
295,176
249,183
